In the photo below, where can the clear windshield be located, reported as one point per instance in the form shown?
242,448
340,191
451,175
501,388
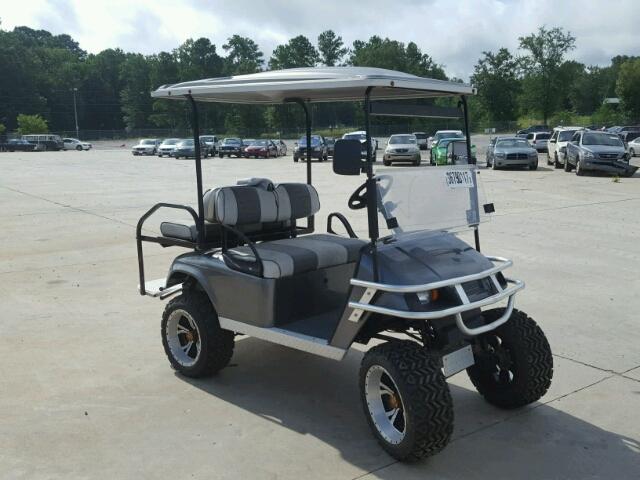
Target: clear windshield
512,143
315,140
601,139
442,198
402,140
231,141
147,142
566,135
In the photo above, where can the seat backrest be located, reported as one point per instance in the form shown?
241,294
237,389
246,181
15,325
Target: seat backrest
241,205
296,200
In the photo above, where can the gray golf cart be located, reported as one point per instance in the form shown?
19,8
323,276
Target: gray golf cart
413,287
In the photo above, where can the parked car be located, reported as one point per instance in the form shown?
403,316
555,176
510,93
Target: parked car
363,134
402,148
597,151
362,138
513,152
186,149
282,147
539,140
261,148
534,128
422,139
75,144
634,147
629,135
557,145
442,153
211,143
331,145
318,149
440,134
167,146
230,146
18,145
146,146
45,141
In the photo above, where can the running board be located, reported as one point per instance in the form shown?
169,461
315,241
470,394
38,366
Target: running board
280,336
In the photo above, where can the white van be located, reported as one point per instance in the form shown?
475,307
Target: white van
557,145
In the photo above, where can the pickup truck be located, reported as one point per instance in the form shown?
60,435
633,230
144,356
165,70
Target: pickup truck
597,151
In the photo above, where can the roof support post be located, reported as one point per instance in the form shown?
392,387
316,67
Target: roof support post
470,160
196,144
307,121
372,199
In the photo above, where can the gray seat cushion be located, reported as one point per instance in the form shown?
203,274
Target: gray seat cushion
283,258
190,232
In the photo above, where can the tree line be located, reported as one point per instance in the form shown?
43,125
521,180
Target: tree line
42,72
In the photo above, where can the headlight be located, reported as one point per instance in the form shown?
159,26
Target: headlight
427,297
500,155
588,155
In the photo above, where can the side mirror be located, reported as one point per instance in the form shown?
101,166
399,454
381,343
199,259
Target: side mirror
552,141
346,157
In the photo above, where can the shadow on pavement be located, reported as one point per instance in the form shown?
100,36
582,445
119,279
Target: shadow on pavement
319,397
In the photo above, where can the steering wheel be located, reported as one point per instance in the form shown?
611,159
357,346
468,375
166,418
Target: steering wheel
358,199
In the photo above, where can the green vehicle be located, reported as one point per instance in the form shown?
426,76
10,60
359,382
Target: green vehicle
450,151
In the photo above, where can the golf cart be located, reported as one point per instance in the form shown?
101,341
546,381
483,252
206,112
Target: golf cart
255,266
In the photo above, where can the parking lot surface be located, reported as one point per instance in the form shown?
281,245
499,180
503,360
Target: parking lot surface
86,390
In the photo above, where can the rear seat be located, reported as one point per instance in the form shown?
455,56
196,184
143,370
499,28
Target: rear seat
287,202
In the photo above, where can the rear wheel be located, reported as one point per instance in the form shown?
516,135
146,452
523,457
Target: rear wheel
192,338
406,400
514,365
567,165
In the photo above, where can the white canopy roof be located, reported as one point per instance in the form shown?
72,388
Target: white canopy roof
321,84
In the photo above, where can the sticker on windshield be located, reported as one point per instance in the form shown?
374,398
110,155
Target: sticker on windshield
459,178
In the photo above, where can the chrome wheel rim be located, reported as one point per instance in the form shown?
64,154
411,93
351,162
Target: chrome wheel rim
183,338
385,405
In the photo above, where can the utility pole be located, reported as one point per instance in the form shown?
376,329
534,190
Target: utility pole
75,112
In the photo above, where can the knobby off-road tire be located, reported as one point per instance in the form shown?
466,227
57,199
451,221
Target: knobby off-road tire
515,365
422,393
215,344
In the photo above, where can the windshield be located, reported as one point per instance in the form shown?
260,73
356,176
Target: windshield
147,142
402,139
431,199
315,140
512,143
440,135
170,141
355,136
566,135
601,139
186,143
231,141
259,143
543,136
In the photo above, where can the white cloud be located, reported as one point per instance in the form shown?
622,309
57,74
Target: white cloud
453,33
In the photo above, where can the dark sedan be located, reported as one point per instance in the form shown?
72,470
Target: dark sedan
230,146
19,145
186,149
261,148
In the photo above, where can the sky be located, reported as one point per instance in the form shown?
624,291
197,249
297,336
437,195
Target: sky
453,33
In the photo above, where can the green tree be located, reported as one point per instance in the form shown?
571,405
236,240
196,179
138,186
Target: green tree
136,101
331,48
297,52
496,78
243,55
628,88
546,50
28,124
589,89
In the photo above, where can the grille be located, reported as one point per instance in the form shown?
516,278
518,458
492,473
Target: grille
608,156
401,150
517,156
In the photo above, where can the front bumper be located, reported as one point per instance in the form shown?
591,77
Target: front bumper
303,154
230,151
618,167
402,157
503,162
143,151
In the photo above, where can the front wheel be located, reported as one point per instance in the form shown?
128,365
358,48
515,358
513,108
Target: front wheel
632,152
567,165
386,163
79,148
579,169
533,166
406,400
514,365
556,162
